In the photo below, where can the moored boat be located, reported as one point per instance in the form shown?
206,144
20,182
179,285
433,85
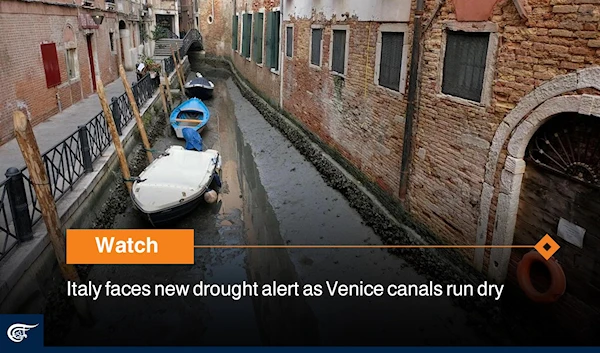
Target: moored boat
192,113
199,87
175,183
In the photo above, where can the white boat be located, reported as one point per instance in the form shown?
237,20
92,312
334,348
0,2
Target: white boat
175,183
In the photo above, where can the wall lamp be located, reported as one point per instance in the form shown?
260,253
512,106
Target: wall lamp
98,19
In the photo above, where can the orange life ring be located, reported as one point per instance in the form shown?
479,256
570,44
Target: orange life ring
558,283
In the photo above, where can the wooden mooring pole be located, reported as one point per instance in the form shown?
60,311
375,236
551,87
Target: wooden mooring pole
41,184
168,85
163,98
136,114
115,135
179,73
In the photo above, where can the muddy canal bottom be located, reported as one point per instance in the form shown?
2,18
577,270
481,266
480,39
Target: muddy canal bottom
270,195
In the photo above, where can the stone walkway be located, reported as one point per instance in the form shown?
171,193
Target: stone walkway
61,125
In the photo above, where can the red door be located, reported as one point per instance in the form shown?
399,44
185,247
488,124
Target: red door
91,58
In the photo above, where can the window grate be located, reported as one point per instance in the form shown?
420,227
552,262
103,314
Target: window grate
339,52
464,64
289,41
390,65
317,36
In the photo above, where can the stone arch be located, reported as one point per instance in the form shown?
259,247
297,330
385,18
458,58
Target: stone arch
539,105
122,24
69,34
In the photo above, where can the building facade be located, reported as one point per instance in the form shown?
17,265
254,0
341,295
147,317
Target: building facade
504,140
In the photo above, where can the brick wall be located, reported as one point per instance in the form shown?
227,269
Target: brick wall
24,27
259,76
363,121
453,139
216,35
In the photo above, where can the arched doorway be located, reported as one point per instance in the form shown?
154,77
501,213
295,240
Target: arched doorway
560,196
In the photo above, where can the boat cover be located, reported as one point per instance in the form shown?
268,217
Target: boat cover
193,141
175,177
200,82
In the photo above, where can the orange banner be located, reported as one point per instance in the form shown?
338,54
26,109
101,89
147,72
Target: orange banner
130,246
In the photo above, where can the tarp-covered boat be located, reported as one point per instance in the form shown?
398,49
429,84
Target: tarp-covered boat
175,183
199,87
191,114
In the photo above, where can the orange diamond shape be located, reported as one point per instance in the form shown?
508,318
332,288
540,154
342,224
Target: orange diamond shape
550,244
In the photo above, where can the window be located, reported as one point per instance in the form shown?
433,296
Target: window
257,40
111,39
465,64
391,59
273,35
50,60
246,35
315,46
72,64
289,41
234,33
338,52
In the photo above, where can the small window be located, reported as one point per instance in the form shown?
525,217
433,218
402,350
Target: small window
465,64
338,60
257,40
289,41
111,39
390,67
72,64
246,35
315,47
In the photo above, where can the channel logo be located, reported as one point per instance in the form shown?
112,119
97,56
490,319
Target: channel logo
21,331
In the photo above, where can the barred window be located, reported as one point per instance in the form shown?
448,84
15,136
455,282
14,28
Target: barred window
465,64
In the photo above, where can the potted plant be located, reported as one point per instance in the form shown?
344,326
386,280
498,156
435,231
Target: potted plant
148,65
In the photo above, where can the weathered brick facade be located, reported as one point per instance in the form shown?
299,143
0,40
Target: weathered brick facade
24,27
470,182
259,76
363,121
216,34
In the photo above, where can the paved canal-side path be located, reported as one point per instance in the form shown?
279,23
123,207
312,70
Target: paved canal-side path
271,195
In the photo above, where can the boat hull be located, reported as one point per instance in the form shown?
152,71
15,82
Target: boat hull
175,183
192,113
172,214
168,216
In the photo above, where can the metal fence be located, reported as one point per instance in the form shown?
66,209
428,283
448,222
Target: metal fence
65,164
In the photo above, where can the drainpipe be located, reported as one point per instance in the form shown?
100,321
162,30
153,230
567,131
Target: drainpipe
281,56
412,97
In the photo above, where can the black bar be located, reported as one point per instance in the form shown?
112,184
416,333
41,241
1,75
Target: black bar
116,114
17,198
85,149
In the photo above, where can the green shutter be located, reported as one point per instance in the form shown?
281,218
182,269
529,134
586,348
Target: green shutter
276,38
269,40
234,33
246,35
257,43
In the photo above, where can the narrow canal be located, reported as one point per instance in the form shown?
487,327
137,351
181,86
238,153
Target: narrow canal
271,195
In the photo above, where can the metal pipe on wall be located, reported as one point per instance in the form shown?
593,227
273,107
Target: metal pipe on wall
412,104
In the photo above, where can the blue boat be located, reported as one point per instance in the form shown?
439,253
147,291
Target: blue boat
189,114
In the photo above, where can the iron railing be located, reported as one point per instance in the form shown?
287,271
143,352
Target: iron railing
169,64
65,164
